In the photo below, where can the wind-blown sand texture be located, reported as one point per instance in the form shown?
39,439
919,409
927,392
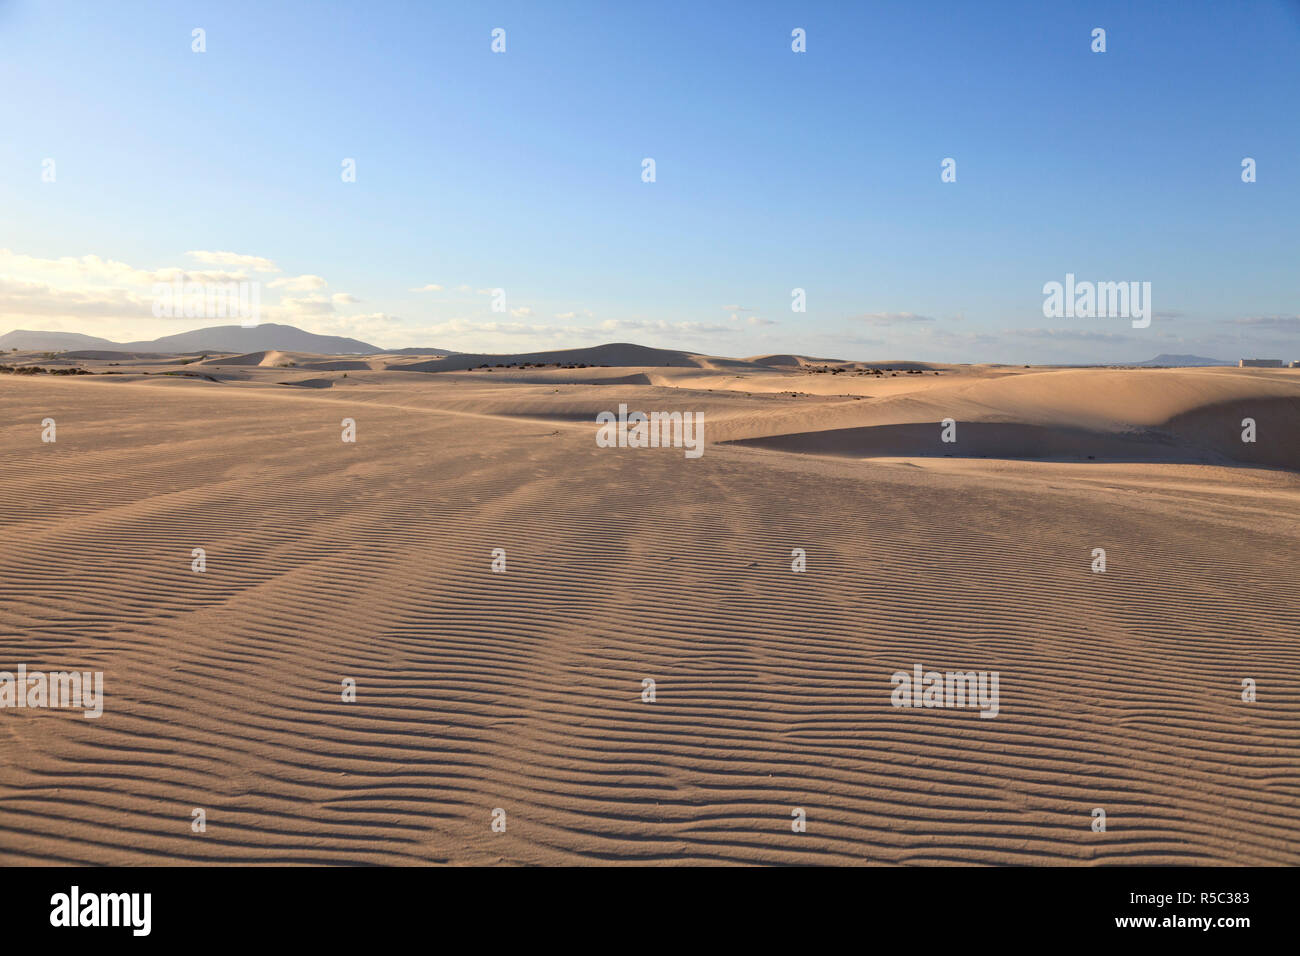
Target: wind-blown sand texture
522,690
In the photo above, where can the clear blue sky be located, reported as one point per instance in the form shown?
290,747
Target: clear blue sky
775,170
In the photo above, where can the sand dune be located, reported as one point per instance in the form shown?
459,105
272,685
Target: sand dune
522,690
1192,415
104,355
621,354
261,359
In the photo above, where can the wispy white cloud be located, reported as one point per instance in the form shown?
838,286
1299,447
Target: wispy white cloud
1077,335
892,318
22,300
681,328
115,300
305,283
253,263
81,272
1270,321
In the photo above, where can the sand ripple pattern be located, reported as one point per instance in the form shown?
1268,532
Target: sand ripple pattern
523,690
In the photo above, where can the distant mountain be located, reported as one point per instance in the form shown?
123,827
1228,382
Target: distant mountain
259,338
218,338
28,341
1182,361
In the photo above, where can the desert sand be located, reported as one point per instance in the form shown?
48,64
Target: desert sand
522,691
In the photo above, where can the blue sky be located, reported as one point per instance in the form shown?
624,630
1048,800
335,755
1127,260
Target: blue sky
775,170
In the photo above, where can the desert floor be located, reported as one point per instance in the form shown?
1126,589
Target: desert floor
522,691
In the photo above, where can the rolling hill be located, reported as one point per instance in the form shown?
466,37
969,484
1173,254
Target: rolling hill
219,338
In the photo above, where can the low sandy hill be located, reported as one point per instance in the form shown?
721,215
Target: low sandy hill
333,363
805,361
618,354
1107,414
1122,397
103,355
310,382
900,366
277,358
249,358
343,365
693,377
579,402
47,359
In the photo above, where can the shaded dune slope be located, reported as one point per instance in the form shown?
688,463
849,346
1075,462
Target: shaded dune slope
1192,415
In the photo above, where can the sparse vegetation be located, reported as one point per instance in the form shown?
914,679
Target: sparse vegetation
41,370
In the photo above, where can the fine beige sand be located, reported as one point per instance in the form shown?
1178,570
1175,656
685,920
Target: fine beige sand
522,690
